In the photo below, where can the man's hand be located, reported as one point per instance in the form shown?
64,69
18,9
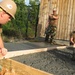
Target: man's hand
3,51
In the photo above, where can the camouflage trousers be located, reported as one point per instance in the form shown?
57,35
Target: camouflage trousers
50,33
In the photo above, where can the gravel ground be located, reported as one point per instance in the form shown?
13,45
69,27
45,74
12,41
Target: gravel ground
57,62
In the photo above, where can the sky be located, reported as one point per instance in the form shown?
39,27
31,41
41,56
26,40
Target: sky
27,2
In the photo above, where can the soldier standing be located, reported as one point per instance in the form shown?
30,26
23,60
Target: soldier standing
52,26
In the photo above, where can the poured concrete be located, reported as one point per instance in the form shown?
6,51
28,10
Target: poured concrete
56,61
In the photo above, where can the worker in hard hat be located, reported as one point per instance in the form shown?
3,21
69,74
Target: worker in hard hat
7,11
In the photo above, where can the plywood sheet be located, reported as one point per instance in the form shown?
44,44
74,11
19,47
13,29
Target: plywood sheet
20,69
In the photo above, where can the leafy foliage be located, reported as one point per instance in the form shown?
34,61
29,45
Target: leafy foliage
25,19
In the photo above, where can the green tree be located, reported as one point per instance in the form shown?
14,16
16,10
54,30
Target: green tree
25,16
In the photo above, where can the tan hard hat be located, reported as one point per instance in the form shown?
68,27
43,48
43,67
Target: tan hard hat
9,6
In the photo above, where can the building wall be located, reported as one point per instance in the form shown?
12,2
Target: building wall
43,15
66,21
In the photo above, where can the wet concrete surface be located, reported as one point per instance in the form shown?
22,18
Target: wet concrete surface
27,45
57,62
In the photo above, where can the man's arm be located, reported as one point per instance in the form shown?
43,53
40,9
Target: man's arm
1,43
3,51
71,39
53,16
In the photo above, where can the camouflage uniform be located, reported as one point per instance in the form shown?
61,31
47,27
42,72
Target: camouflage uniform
51,29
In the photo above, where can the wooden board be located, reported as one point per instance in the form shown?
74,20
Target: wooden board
21,69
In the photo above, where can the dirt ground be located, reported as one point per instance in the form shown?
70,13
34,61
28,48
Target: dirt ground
56,62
